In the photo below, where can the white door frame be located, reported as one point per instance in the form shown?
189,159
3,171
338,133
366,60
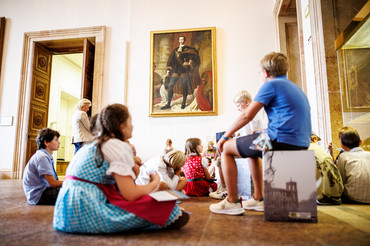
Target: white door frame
30,38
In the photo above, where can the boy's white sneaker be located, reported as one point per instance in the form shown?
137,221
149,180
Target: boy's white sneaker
253,204
220,193
225,207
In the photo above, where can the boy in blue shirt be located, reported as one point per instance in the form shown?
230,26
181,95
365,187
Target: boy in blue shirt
289,128
40,181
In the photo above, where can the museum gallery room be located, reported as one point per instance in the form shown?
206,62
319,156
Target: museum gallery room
179,67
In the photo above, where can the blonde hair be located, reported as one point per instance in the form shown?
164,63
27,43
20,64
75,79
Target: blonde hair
169,141
176,159
242,96
275,64
83,102
345,129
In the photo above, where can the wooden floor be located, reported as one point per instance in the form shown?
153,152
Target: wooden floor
23,224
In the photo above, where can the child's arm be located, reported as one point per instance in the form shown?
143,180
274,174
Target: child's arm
136,169
206,173
211,169
52,181
181,184
130,191
138,161
204,164
163,186
330,148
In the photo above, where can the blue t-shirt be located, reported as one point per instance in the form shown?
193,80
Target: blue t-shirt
34,182
288,111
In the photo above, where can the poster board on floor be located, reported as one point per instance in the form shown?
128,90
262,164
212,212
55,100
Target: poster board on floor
289,186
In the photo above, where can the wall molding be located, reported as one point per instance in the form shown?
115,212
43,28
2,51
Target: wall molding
5,174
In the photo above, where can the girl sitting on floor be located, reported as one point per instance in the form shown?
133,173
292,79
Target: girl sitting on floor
168,167
195,170
89,201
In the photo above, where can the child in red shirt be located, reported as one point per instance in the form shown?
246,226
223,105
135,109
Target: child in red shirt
195,170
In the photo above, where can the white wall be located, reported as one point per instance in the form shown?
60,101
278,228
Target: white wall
244,30
37,15
244,34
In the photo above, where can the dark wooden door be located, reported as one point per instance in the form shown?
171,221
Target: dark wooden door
88,69
40,90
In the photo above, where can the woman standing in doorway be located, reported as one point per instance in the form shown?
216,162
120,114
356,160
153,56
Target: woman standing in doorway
81,124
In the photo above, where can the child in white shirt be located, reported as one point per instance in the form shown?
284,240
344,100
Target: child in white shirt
168,167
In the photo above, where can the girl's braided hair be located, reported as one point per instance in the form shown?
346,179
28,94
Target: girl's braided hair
109,122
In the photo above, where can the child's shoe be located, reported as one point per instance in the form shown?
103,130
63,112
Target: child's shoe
253,204
329,201
180,222
220,193
225,207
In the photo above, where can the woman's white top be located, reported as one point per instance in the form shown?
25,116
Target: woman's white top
81,127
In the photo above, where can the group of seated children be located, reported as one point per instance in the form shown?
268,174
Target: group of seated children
345,178
99,194
107,187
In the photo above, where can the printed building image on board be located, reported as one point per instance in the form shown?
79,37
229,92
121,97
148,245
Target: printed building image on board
289,186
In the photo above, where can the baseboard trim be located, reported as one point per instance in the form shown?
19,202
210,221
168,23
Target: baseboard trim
5,174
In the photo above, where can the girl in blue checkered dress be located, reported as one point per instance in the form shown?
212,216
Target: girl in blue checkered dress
99,194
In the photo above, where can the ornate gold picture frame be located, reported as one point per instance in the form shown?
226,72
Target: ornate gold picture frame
183,72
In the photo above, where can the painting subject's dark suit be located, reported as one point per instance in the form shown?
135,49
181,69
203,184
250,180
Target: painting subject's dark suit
189,74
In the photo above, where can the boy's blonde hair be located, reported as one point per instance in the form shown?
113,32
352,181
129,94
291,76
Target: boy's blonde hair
175,158
242,96
275,64
345,129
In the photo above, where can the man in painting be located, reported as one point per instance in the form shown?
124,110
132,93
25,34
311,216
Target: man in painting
183,64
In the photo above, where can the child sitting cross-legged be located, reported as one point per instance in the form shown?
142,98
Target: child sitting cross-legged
99,194
40,182
168,167
354,167
329,184
196,170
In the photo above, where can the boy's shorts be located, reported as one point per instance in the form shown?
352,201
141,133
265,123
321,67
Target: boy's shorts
243,144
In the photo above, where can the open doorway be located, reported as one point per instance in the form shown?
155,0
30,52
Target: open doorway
288,38
36,66
65,93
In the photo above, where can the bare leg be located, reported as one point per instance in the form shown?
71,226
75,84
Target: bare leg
230,170
255,166
222,180
181,184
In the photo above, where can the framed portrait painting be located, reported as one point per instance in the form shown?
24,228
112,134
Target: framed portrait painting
183,72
